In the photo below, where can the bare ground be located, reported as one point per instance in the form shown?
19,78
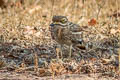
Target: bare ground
31,76
27,51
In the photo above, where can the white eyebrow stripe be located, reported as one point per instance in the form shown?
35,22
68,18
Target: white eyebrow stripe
76,32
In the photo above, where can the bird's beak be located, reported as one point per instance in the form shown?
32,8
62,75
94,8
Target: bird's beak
51,24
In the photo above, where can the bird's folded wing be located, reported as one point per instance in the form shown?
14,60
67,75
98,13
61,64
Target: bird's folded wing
75,27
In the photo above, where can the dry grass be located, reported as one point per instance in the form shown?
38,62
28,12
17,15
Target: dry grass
39,17
27,25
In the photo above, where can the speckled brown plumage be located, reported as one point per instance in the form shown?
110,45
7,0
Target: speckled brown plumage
65,32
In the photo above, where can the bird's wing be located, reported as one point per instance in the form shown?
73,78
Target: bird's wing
75,27
76,33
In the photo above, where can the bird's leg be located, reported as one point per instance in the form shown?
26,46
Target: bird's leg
70,53
59,51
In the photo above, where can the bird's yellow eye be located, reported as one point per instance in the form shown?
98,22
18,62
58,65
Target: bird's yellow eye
63,20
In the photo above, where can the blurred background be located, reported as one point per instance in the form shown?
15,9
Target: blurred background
29,19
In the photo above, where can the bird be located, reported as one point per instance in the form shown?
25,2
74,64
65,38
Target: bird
65,32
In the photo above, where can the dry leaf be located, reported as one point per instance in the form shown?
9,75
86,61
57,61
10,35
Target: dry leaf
42,72
38,34
92,22
36,8
28,31
113,31
106,61
56,68
93,59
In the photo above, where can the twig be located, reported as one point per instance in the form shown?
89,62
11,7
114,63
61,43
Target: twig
119,59
75,9
53,2
100,6
36,63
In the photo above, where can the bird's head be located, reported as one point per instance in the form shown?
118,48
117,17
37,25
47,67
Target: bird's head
59,20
